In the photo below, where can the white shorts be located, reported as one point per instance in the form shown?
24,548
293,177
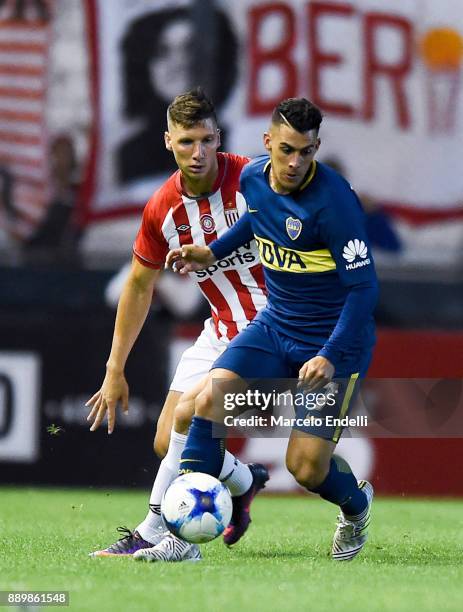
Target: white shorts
197,360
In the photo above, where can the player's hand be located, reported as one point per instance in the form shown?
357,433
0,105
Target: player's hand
190,258
113,390
316,373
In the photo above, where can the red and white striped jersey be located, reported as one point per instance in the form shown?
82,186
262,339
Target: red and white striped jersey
233,286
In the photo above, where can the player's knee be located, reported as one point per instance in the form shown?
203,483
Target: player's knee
182,417
161,444
309,472
204,404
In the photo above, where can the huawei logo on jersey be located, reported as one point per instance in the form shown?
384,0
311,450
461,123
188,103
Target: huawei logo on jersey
207,224
352,250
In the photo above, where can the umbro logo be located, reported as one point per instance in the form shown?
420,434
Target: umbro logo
356,249
183,228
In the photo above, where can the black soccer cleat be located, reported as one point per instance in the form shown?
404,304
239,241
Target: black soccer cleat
241,517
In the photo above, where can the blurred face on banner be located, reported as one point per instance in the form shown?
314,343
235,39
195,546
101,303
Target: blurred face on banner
291,154
195,151
170,69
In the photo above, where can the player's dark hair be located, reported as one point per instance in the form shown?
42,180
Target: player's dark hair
190,108
300,113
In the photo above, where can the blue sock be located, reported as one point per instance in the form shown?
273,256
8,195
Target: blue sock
203,452
340,487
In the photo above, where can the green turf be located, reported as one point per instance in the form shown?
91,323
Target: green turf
412,562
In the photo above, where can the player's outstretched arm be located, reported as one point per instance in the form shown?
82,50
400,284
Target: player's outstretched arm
132,310
190,258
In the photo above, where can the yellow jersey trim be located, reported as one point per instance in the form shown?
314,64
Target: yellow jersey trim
311,174
284,259
345,404
313,167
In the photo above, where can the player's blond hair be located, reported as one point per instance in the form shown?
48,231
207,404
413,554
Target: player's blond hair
191,108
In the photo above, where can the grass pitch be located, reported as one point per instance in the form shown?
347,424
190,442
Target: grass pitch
412,562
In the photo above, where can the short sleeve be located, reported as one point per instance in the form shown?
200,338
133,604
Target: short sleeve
342,228
150,246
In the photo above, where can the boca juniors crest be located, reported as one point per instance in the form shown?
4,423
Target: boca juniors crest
293,227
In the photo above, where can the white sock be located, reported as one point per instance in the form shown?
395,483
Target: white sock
168,470
236,475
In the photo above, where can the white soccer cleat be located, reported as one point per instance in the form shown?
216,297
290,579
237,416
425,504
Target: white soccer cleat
350,536
170,549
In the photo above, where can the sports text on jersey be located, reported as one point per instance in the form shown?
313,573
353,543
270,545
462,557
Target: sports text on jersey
235,287
283,259
239,257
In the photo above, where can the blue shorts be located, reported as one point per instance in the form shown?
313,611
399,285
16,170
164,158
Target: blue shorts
260,352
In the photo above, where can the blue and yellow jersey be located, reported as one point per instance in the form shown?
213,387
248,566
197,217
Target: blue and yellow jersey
314,249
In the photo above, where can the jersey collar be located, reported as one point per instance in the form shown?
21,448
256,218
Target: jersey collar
308,177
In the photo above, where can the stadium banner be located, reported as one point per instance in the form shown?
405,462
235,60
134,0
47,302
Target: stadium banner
387,77
25,28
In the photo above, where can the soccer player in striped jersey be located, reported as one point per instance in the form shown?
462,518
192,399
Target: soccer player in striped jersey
322,289
198,203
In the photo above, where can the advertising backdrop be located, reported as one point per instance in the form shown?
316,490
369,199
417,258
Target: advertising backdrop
46,380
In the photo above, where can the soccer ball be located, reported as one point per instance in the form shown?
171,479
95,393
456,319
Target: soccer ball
196,507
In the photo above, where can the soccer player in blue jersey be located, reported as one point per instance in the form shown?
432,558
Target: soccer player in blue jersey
318,324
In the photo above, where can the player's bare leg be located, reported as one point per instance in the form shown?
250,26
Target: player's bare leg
168,446
165,423
209,407
176,418
243,481
308,459
169,547
170,436
170,439
151,530
312,463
